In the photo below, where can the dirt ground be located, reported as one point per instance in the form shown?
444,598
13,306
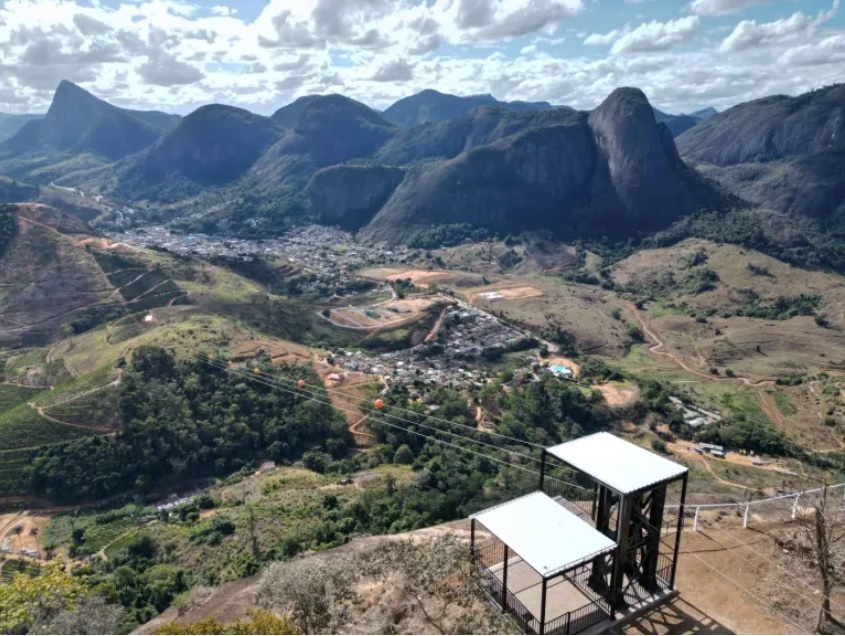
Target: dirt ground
27,521
709,602
393,313
507,290
618,393
423,277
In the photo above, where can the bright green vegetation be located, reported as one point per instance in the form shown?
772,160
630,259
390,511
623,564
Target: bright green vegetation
77,387
98,409
23,427
184,420
784,405
12,395
90,532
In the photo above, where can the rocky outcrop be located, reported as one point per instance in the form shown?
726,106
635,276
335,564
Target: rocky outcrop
349,196
79,122
613,173
768,129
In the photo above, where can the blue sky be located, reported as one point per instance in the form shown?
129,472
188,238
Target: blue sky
260,54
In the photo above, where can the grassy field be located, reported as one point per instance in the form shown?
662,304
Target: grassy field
12,395
72,389
23,427
98,528
98,409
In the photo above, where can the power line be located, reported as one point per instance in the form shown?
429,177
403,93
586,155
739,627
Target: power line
801,630
771,562
275,382
439,441
410,412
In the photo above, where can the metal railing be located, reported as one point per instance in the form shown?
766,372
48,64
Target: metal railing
491,554
577,620
520,614
782,507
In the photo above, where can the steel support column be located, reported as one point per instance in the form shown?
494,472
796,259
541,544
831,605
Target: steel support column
680,528
542,629
505,579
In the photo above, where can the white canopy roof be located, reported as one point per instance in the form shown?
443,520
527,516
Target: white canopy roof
546,535
619,465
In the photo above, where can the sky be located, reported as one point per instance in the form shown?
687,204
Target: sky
177,55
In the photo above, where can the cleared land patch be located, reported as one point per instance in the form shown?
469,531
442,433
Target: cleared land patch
422,277
618,393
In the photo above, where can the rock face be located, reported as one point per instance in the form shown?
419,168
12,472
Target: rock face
79,122
349,196
432,106
212,145
783,153
611,173
331,130
769,129
645,170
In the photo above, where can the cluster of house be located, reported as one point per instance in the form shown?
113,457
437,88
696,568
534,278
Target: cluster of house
464,336
322,250
694,416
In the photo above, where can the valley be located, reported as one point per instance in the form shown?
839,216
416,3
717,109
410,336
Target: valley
230,340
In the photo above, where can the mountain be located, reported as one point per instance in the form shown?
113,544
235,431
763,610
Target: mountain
76,123
705,113
608,173
331,129
213,145
48,278
784,153
769,129
10,124
13,191
432,106
679,124
288,116
449,138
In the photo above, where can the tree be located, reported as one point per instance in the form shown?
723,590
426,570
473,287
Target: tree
92,615
18,530
820,540
27,601
33,532
316,594
404,455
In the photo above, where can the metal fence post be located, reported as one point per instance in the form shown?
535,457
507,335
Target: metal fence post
795,506
745,516
695,519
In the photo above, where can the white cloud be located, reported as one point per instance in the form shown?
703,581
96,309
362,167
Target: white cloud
829,51
604,39
722,7
395,71
649,36
175,55
797,27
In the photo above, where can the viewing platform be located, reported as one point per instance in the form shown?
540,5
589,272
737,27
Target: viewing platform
581,555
